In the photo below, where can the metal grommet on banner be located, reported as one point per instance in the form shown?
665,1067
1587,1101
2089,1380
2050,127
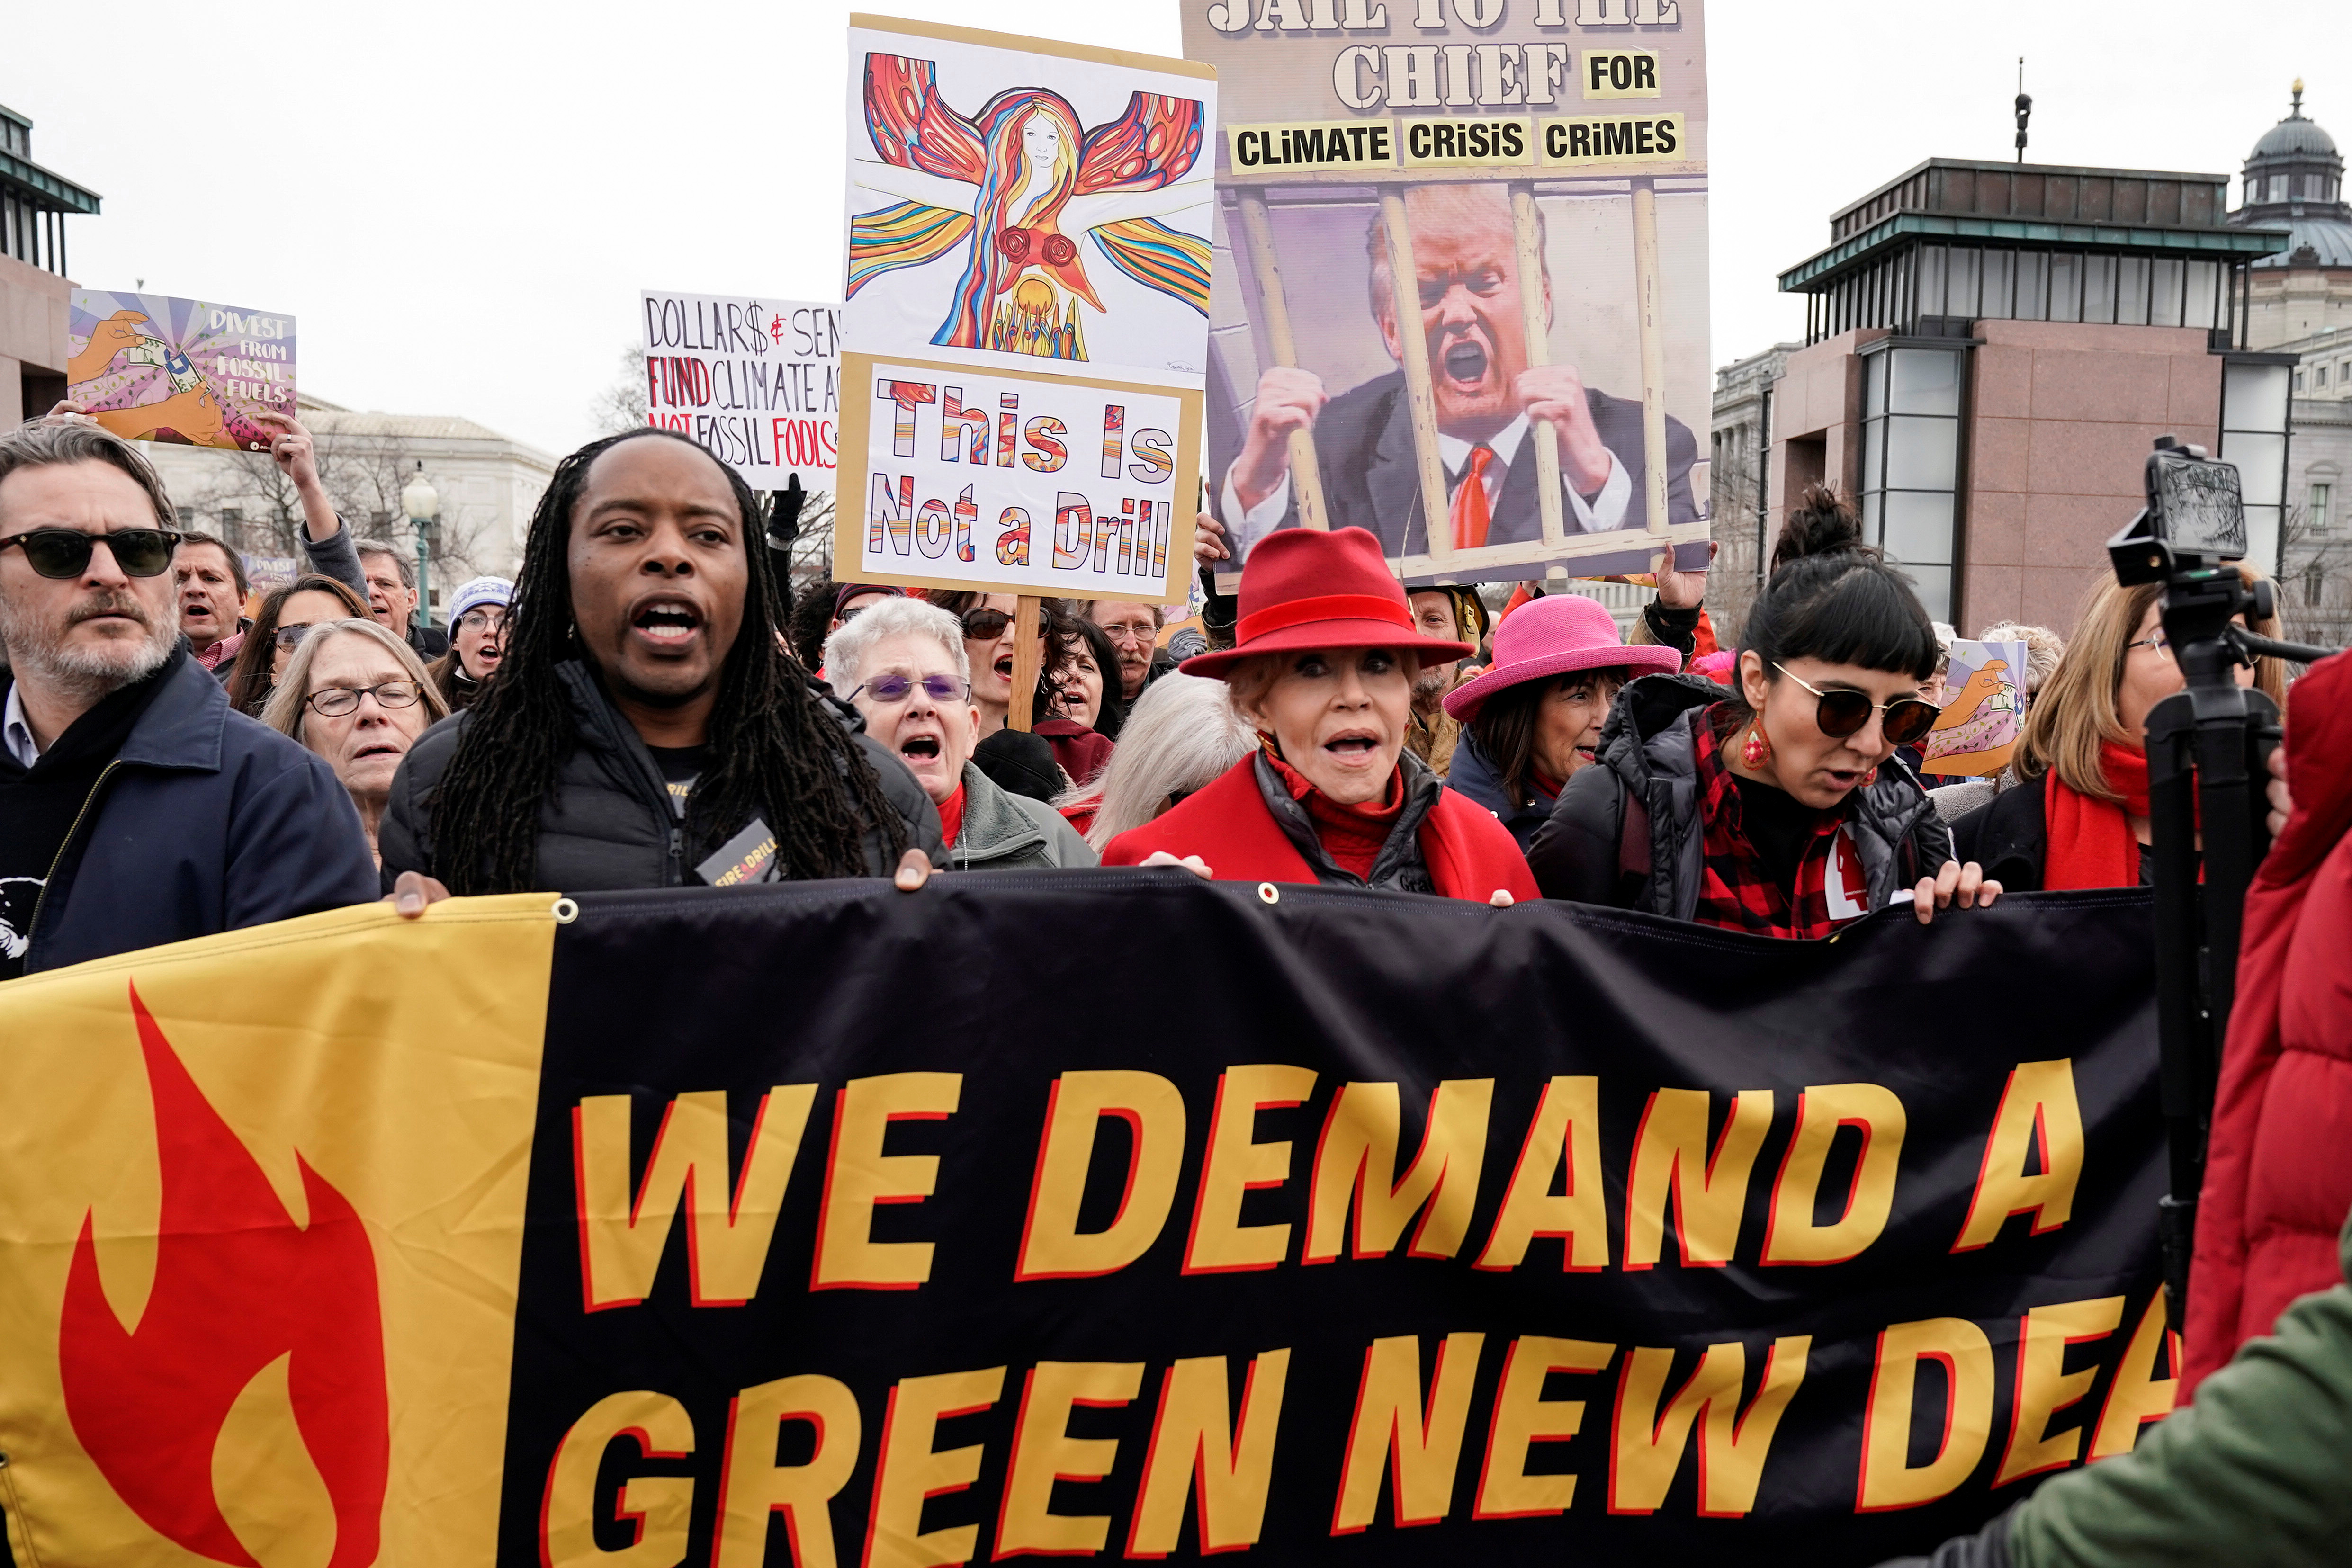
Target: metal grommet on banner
565,912
1268,893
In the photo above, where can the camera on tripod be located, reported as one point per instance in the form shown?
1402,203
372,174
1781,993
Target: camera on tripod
2209,750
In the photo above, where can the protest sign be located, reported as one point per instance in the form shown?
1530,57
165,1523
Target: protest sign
1029,222
755,381
1561,1233
1984,714
1542,170
1049,484
265,572
154,368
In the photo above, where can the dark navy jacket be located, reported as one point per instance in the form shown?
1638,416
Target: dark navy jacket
206,821
1473,773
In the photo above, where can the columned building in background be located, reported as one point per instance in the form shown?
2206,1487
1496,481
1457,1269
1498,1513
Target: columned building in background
1739,506
488,485
34,290
2301,303
1991,351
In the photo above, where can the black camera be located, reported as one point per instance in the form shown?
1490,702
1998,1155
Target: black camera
2195,519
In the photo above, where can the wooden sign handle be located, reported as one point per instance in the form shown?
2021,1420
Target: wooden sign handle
1274,304
1529,243
1650,323
1026,651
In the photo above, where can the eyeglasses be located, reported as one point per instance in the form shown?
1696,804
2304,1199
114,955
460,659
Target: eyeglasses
1128,631
65,552
1842,713
2155,640
337,701
483,621
897,688
290,638
985,625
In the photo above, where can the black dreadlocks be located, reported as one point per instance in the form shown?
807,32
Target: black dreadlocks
776,751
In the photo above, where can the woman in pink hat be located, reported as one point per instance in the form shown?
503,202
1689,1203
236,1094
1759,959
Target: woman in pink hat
1536,717
1322,669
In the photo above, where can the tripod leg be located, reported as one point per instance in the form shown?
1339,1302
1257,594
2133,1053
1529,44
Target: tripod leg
2184,1047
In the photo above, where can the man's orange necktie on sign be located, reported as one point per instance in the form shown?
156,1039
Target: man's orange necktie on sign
1470,514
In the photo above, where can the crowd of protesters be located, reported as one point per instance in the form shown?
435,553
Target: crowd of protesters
644,706
645,693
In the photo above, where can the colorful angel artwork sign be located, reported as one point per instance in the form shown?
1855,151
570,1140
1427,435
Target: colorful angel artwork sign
1985,713
1011,204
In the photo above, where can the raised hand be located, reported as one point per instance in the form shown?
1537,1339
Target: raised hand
1287,400
1555,395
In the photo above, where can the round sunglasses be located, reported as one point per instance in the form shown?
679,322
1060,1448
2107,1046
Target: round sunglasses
1842,712
985,625
65,552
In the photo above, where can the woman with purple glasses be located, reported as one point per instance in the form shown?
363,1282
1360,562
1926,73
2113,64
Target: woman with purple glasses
903,665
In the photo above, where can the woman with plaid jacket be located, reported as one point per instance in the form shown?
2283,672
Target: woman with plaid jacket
1781,808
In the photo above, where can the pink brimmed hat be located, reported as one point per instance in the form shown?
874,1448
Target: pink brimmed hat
1306,588
1556,635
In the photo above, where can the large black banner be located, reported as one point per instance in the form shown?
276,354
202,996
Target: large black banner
1125,1216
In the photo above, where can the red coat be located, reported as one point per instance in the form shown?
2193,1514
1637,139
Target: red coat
2277,1182
1469,854
1081,753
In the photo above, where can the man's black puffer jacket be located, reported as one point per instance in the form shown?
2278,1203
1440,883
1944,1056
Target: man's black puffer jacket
608,824
1648,752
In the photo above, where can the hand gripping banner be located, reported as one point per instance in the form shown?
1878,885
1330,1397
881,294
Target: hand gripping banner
1113,1215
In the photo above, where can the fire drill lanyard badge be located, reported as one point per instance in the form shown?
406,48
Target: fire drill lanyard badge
749,857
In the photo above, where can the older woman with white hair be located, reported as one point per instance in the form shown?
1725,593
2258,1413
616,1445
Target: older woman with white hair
1322,671
1181,734
903,666
358,697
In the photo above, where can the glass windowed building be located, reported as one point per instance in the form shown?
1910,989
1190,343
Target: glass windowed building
34,293
1991,351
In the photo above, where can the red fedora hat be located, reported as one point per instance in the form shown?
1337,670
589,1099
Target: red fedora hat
1304,589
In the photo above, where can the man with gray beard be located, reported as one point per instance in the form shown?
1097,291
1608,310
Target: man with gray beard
135,807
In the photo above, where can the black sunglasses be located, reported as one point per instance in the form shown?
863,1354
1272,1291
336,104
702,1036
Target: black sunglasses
1844,712
65,552
985,625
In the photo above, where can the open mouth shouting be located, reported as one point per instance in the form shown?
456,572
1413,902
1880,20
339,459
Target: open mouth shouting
667,624
921,746
1354,750
1464,364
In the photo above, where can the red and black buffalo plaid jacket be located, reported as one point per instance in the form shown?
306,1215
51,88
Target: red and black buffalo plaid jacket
1654,826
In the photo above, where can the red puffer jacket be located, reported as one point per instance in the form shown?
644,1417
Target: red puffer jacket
2277,1181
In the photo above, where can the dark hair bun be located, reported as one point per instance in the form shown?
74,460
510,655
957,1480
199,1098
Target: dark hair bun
1821,523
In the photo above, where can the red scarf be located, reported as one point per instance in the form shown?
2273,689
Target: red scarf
2091,843
952,817
1350,835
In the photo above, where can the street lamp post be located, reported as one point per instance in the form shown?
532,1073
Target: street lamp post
423,503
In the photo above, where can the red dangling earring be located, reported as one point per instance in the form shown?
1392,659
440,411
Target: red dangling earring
1755,751
1870,777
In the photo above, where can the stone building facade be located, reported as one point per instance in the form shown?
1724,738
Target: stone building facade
488,485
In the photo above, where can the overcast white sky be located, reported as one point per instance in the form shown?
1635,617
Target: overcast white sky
460,202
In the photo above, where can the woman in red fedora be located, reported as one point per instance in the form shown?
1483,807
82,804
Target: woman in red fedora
1536,717
1322,667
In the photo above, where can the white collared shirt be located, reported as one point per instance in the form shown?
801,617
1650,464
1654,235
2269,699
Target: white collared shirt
1604,512
15,731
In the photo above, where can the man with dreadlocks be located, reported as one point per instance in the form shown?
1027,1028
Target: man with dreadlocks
649,727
